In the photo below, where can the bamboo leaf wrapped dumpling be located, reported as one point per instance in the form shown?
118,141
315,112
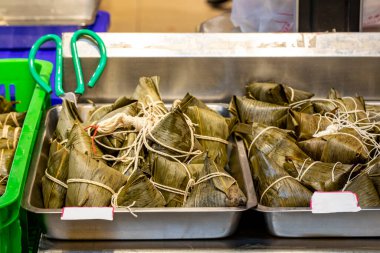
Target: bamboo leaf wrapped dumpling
6,105
344,146
147,92
190,100
3,184
6,159
54,182
306,125
214,187
353,106
91,182
102,111
313,147
276,93
248,111
167,173
68,116
274,142
276,188
213,137
79,139
14,119
125,166
373,171
363,187
111,142
174,134
373,112
139,191
320,176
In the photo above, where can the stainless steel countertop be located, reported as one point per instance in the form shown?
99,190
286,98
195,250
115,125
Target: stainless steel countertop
213,67
246,239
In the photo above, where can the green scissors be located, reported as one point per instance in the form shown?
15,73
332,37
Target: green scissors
77,66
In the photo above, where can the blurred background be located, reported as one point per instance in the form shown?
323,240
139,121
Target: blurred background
160,16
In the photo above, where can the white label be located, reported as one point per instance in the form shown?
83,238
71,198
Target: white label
334,202
87,213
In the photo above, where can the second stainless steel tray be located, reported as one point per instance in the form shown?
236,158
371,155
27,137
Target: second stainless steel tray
301,222
151,223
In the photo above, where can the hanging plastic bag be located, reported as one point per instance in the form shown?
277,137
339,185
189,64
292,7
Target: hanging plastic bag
264,15
371,15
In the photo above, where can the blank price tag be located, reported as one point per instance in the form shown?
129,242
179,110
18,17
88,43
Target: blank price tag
87,213
334,202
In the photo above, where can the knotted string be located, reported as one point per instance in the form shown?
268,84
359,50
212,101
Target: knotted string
4,179
258,135
55,180
114,195
190,184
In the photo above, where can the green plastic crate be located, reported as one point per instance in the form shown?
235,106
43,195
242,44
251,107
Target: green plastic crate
19,85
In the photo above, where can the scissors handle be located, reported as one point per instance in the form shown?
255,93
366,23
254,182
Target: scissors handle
58,71
76,61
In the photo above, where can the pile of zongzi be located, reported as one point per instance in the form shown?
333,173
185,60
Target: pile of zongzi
10,130
137,153
298,144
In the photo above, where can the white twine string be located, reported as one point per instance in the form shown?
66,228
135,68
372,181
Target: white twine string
115,204
363,127
292,93
86,181
3,179
4,133
13,116
333,170
319,124
302,167
210,138
150,115
63,142
356,107
114,195
258,135
272,184
190,184
302,173
195,156
349,180
55,180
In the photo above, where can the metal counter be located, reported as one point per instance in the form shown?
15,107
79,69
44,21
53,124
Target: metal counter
246,239
214,67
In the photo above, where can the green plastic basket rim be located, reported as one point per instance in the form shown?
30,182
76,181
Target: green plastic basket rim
9,197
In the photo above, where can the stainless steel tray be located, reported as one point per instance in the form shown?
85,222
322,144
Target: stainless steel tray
214,67
48,12
151,223
301,222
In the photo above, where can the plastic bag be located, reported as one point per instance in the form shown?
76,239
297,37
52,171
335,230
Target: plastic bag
371,15
264,15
